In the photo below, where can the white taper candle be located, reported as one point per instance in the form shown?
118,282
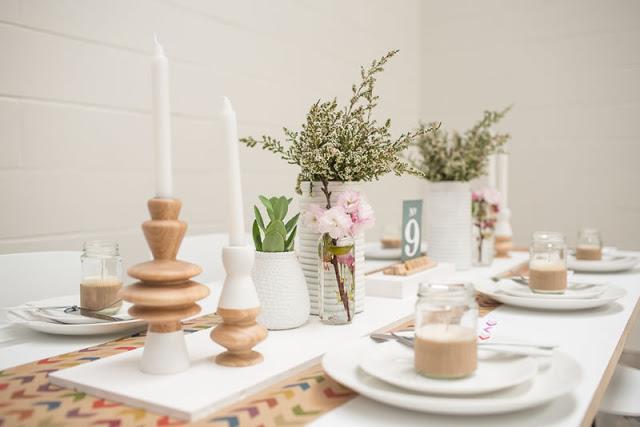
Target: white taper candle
492,178
235,210
162,123
503,180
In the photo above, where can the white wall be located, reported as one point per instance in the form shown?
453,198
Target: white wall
572,69
75,94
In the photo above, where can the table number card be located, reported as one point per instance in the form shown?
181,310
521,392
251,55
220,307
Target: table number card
411,228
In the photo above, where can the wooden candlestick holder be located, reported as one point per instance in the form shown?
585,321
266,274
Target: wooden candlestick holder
503,245
238,306
503,242
164,294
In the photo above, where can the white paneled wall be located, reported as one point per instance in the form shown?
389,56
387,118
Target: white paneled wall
572,70
75,95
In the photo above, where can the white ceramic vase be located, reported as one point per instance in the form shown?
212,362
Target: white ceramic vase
449,225
282,290
307,241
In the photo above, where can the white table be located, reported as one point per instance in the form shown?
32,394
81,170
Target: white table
593,337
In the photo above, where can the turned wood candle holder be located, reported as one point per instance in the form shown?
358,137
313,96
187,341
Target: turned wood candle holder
503,242
164,294
503,245
238,307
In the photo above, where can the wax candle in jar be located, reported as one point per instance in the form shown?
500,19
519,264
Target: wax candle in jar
445,331
589,247
547,263
101,277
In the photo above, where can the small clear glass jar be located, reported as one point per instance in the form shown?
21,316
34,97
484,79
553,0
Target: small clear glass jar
446,324
548,262
337,280
101,277
589,245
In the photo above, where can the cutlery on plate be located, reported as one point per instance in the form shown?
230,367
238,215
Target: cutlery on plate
522,280
497,342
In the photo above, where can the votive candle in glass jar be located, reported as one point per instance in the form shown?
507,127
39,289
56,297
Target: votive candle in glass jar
548,263
445,342
589,245
101,277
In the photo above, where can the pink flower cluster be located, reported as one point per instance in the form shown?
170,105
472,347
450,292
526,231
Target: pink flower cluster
351,214
488,195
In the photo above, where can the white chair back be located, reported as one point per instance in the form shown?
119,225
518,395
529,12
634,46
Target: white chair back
206,251
38,275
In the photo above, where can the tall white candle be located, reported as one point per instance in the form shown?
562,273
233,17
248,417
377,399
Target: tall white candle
235,211
162,123
492,178
503,177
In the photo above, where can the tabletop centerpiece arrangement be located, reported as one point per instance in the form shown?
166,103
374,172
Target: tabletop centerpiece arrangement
449,161
337,149
485,206
277,274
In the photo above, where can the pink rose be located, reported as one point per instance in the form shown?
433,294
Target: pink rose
311,217
336,222
362,219
491,196
349,201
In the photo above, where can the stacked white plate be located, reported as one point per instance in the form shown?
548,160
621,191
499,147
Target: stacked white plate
46,315
577,297
384,372
611,262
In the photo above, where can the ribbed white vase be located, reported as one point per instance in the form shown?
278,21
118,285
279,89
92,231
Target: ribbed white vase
449,225
307,244
282,290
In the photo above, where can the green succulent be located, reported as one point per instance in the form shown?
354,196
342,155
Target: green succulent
277,236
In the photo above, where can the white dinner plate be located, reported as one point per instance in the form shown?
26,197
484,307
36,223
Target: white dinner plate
374,250
573,291
560,377
392,363
490,288
609,263
99,328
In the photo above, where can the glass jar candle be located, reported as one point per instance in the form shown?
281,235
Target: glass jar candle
548,262
101,277
589,245
446,330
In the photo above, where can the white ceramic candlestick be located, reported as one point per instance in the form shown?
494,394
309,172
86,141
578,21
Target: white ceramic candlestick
238,306
162,122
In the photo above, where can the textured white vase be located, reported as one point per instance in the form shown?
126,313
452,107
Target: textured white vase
307,241
449,226
282,290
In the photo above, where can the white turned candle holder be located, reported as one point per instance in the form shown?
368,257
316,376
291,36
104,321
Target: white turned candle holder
164,294
504,233
238,306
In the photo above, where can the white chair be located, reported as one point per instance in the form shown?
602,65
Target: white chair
206,251
38,275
